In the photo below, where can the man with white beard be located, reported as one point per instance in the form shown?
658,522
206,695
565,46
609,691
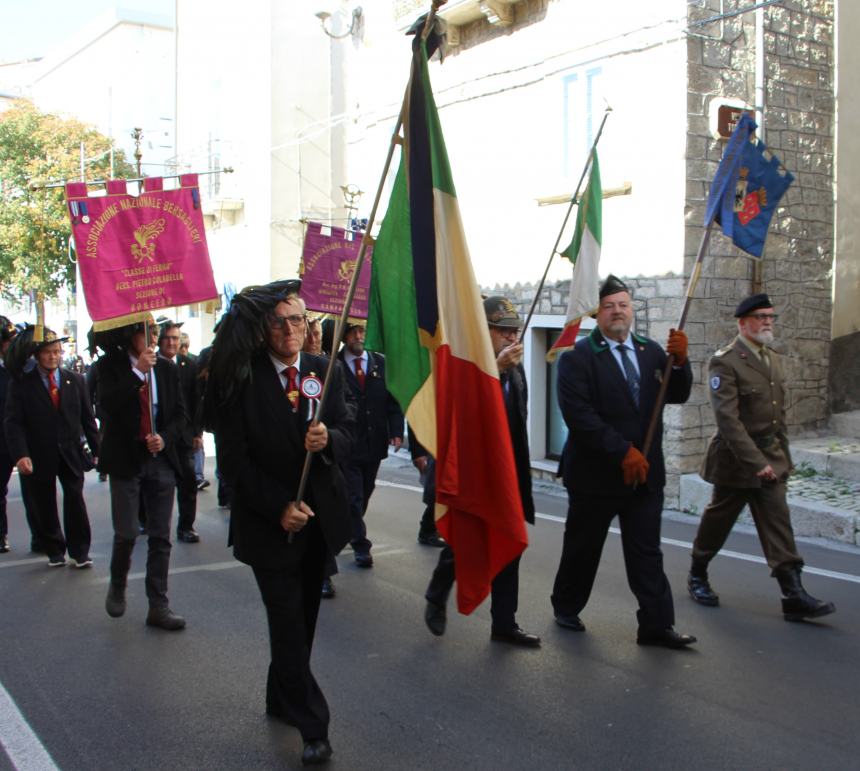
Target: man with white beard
748,461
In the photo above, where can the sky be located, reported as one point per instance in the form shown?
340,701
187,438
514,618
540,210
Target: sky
31,28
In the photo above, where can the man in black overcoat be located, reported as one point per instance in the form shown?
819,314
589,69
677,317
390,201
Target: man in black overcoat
504,323
378,424
48,411
607,389
144,416
260,399
7,332
192,435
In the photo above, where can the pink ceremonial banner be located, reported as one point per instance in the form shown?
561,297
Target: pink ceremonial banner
138,254
328,262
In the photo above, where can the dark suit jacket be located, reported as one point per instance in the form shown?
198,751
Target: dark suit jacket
516,397
602,418
5,377
261,453
36,430
191,393
378,415
122,450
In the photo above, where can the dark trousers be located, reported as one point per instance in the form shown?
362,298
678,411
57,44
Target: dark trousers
292,600
588,520
6,466
76,523
770,514
504,589
360,482
155,483
186,489
427,526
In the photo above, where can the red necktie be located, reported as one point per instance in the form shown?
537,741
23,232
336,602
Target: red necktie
145,414
53,391
292,390
359,374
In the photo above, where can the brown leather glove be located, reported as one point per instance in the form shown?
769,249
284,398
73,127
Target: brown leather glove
634,466
677,346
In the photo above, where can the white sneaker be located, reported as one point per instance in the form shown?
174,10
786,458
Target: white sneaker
83,562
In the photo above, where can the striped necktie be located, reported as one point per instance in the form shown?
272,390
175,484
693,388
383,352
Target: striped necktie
630,373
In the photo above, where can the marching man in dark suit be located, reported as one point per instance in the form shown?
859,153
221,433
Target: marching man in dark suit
191,437
749,462
607,388
48,410
378,424
7,332
261,396
504,323
144,417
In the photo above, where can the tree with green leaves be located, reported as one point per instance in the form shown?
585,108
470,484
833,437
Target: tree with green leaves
37,149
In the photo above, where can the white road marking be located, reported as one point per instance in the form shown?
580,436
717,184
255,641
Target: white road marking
21,744
836,575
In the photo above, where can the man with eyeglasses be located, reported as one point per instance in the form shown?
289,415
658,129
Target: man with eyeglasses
262,402
748,461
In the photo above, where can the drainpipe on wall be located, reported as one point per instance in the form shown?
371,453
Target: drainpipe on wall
757,279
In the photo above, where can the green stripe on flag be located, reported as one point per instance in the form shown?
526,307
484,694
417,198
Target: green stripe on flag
392,322
589,213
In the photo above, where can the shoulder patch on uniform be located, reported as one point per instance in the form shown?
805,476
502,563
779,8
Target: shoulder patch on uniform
722,351
715,382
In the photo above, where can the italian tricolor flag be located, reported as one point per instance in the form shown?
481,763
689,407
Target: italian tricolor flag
426,315
584,253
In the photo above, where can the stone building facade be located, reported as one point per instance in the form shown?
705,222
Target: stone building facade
797,87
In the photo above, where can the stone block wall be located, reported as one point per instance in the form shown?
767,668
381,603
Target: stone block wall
799,128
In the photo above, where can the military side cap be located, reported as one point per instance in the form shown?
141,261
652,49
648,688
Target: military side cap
164,321
500,312
613,285
752,303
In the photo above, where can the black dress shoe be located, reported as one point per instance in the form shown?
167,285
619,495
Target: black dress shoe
570,622
364,560
700,590
4,544
516,636
115,600
165,618
316,752
435,618
327,589
188,536
667,638
431,539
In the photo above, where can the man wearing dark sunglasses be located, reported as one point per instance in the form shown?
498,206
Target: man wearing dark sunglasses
748,461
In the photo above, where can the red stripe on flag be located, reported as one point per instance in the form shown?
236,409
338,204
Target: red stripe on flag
475,477
566,340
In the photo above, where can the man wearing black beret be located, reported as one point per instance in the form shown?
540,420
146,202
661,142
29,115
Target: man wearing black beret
748,461
607,390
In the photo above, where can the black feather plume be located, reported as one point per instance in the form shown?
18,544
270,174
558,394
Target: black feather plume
241,332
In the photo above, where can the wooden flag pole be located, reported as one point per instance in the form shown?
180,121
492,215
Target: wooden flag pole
682,320
396,139
564,224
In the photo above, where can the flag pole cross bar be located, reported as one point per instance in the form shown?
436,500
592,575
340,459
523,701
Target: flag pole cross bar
396,139
573,202
103,182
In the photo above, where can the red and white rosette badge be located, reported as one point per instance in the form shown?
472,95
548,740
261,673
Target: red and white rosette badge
311,388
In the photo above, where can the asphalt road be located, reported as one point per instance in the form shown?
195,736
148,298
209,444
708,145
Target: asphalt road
83,691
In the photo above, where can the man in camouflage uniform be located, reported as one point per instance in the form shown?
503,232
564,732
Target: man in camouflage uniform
748,461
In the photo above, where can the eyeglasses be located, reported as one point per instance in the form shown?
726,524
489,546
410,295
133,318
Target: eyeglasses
279,322
764,316
506,331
